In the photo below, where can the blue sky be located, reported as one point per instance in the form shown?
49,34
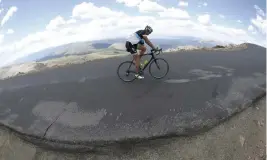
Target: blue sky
25,30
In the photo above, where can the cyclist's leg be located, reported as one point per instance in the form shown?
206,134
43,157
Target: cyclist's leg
133,50
142,49
136,58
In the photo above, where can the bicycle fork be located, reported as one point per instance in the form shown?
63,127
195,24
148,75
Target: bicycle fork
157,64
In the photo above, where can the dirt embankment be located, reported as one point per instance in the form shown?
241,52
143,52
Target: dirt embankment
31,67
230,47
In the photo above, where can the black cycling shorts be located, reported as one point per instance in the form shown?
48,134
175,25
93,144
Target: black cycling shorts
130,47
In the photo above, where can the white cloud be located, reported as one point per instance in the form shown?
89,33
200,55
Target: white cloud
183,3
90,11
250,28
174,13
1,38
221,16
228,34
144,6
239,21
10,31
254,32
150,6
228,31
260,24
259,11
204,19
71,21
170,23
55,23
9,14
130,3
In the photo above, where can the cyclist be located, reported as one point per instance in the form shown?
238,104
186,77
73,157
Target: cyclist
135,43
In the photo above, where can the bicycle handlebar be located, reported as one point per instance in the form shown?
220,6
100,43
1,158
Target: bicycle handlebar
158,51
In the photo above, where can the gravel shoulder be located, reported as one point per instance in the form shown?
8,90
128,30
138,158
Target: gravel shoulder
240,138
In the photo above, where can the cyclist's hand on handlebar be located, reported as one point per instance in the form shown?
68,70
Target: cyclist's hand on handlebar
156,49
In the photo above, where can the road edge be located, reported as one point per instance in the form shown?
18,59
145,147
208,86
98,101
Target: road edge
98,146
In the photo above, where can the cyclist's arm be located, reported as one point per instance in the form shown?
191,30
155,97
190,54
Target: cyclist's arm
148,42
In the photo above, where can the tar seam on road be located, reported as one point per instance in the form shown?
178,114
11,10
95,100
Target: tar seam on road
53,122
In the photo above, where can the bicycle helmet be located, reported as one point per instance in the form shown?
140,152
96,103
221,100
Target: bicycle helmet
148,29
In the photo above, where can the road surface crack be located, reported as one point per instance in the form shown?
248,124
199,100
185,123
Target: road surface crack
53,122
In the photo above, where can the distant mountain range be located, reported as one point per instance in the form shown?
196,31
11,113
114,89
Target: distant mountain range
78,48
87,47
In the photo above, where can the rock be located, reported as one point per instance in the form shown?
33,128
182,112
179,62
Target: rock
39,66
260,123
262,153
20,73
218,46
242,140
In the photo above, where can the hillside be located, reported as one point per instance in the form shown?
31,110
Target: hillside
88,47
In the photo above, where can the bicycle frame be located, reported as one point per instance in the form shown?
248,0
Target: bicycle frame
151,59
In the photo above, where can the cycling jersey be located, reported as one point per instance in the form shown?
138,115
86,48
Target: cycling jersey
133,40
136,37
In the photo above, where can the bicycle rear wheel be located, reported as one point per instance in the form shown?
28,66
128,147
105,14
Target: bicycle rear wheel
157,65
126,69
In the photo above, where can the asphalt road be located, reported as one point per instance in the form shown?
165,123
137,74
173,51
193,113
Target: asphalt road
88,102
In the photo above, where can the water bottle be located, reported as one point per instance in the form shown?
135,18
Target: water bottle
146,61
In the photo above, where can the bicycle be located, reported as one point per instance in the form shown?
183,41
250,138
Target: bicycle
153,60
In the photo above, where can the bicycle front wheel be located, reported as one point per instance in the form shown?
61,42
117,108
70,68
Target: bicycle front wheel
126,71
158,68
